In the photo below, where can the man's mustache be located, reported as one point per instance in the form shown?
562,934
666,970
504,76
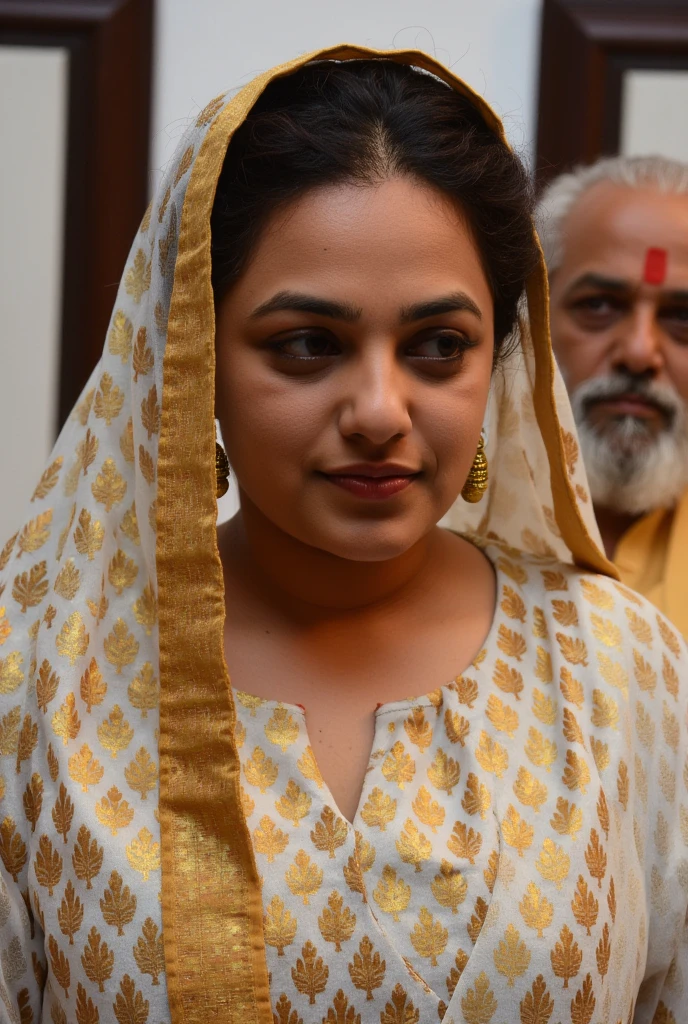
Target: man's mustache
619,385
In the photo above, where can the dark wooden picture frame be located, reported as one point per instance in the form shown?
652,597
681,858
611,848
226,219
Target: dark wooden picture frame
106,176
586,47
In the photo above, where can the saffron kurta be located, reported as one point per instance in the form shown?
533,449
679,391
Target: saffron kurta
138,812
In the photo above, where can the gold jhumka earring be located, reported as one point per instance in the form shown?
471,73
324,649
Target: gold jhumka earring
476,481
221,470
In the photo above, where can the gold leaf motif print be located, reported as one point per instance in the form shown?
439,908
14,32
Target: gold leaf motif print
5,627
491,755
464,842
294,804
584,905
33,800
85,769
391,894
121,647
566,956
540,625
70,916
11,675
367,969
456,727
543,665
138,277
47,865
573,649
27,740
670,677
428,811
30,587
166,245
121,336
444,772
97,959
571,688
260,770
9,732
576,774
329,833
114,732
63,812
109,400
12,848
379,809
466,690
571,729
612,672
536,909
150,413
130,1007
48,480
640,627
92,687
89,535
670,727
7,550
113,811
146,609
509,680
66,722
418,729
281,729
149,951
308,767
502,717
126,441
529,790
143,854
605,711
570,450
303,877
553,863
668,637
283,1012
141,773
513,605
109,486
142,360
596,858
476,799
268,839
412,846
583,1004
449,887
184,165
597,597
398,767
68,580
540,751
537,1006
544,708
603,952
118,904
35,533
160,324
60,965
144,690
565,612
310,973
279,926
86,1011
645,675
516,831
429,938
512,956
479,1004
122,571
205,117
511,642
336,922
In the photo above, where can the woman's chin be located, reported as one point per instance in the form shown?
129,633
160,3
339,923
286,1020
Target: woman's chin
369,541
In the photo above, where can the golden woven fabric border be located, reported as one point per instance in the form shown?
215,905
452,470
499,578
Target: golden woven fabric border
212,912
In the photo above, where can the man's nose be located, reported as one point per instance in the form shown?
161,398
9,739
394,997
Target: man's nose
638,346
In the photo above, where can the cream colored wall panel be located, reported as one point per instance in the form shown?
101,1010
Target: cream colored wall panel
33,129
654,113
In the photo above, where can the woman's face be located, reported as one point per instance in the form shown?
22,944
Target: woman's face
353,364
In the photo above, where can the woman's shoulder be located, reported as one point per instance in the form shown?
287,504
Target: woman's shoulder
619,625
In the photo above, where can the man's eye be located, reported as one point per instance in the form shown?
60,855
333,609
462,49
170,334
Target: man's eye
307,346
600,304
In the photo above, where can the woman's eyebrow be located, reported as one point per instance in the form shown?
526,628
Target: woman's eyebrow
436,307
302,303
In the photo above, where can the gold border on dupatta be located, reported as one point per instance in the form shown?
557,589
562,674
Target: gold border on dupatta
211,896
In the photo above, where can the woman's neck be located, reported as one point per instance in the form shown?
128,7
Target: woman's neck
306,582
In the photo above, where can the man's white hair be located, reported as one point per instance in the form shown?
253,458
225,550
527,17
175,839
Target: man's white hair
561,195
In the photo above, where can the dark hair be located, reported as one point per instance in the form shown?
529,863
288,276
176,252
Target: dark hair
365,121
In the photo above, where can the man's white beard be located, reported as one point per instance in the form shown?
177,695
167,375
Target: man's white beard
630,469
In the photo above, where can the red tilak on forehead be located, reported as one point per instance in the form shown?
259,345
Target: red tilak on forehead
655,266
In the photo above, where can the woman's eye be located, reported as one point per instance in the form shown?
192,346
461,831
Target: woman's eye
440,346
307,346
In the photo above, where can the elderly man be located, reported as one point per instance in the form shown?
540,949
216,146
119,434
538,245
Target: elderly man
615,237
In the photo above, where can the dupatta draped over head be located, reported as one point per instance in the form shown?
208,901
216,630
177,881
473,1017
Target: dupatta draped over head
112,673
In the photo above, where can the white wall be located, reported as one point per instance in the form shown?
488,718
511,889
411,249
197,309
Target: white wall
204,47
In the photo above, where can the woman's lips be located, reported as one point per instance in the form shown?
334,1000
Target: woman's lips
372,487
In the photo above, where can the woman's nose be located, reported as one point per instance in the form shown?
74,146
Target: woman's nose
377,405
